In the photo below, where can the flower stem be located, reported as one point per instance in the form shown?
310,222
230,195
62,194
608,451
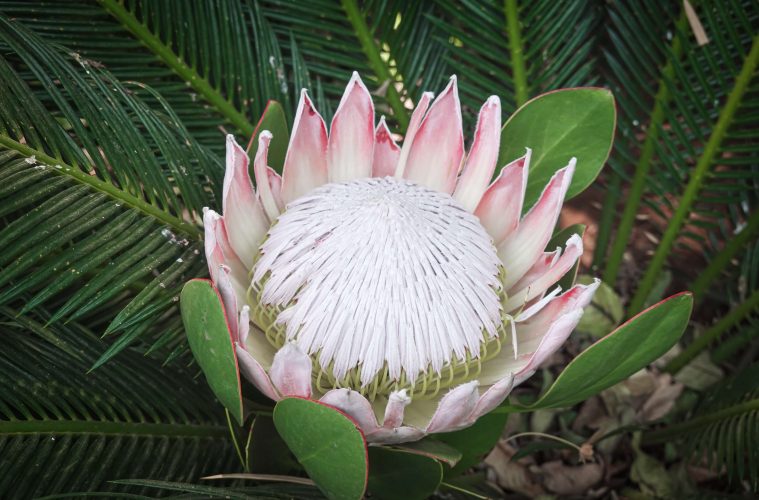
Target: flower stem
697,178
372,53
173,61
234,438
521,94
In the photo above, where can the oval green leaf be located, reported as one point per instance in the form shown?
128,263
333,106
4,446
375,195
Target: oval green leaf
328,445
632,346
272,119
398,474
210,341
557,126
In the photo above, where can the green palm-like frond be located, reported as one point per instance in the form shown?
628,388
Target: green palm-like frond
519,51
724,428
98,190
390,43
689,115
64,430
215,63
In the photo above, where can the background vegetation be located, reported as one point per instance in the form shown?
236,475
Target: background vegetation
112,117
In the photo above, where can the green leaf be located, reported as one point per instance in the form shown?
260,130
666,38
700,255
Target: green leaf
473,442
632,346
558,126
273,119
328,445
398,474
205,322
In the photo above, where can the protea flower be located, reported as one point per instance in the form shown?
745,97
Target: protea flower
383,281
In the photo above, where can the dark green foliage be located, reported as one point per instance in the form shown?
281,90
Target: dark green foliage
724,429
77,242
559,40
63,429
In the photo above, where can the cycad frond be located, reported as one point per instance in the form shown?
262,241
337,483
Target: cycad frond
702,92
96,189
215,63
64,430
390,43
552,41
724,429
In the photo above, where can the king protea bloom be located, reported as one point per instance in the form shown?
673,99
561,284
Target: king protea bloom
387,281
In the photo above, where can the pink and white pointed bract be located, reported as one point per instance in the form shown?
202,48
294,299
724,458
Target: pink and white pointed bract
383,281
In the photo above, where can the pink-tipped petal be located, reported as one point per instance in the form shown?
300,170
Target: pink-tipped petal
548,328
537,305
395,408
351,136
291,371
500,208
229,296
482,159
493,397
543,264
523,248
550,343
354,405
413,127
526,290
275,184
219,252
255,373
555,322
386,151
438,148
263,178
213,247
454,408
534,325
306,160
244,217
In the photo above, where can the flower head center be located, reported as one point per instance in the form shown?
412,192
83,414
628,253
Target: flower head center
379,278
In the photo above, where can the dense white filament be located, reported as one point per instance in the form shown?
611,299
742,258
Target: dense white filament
382,271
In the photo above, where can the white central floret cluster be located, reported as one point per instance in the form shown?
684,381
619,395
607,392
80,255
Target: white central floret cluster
382,273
